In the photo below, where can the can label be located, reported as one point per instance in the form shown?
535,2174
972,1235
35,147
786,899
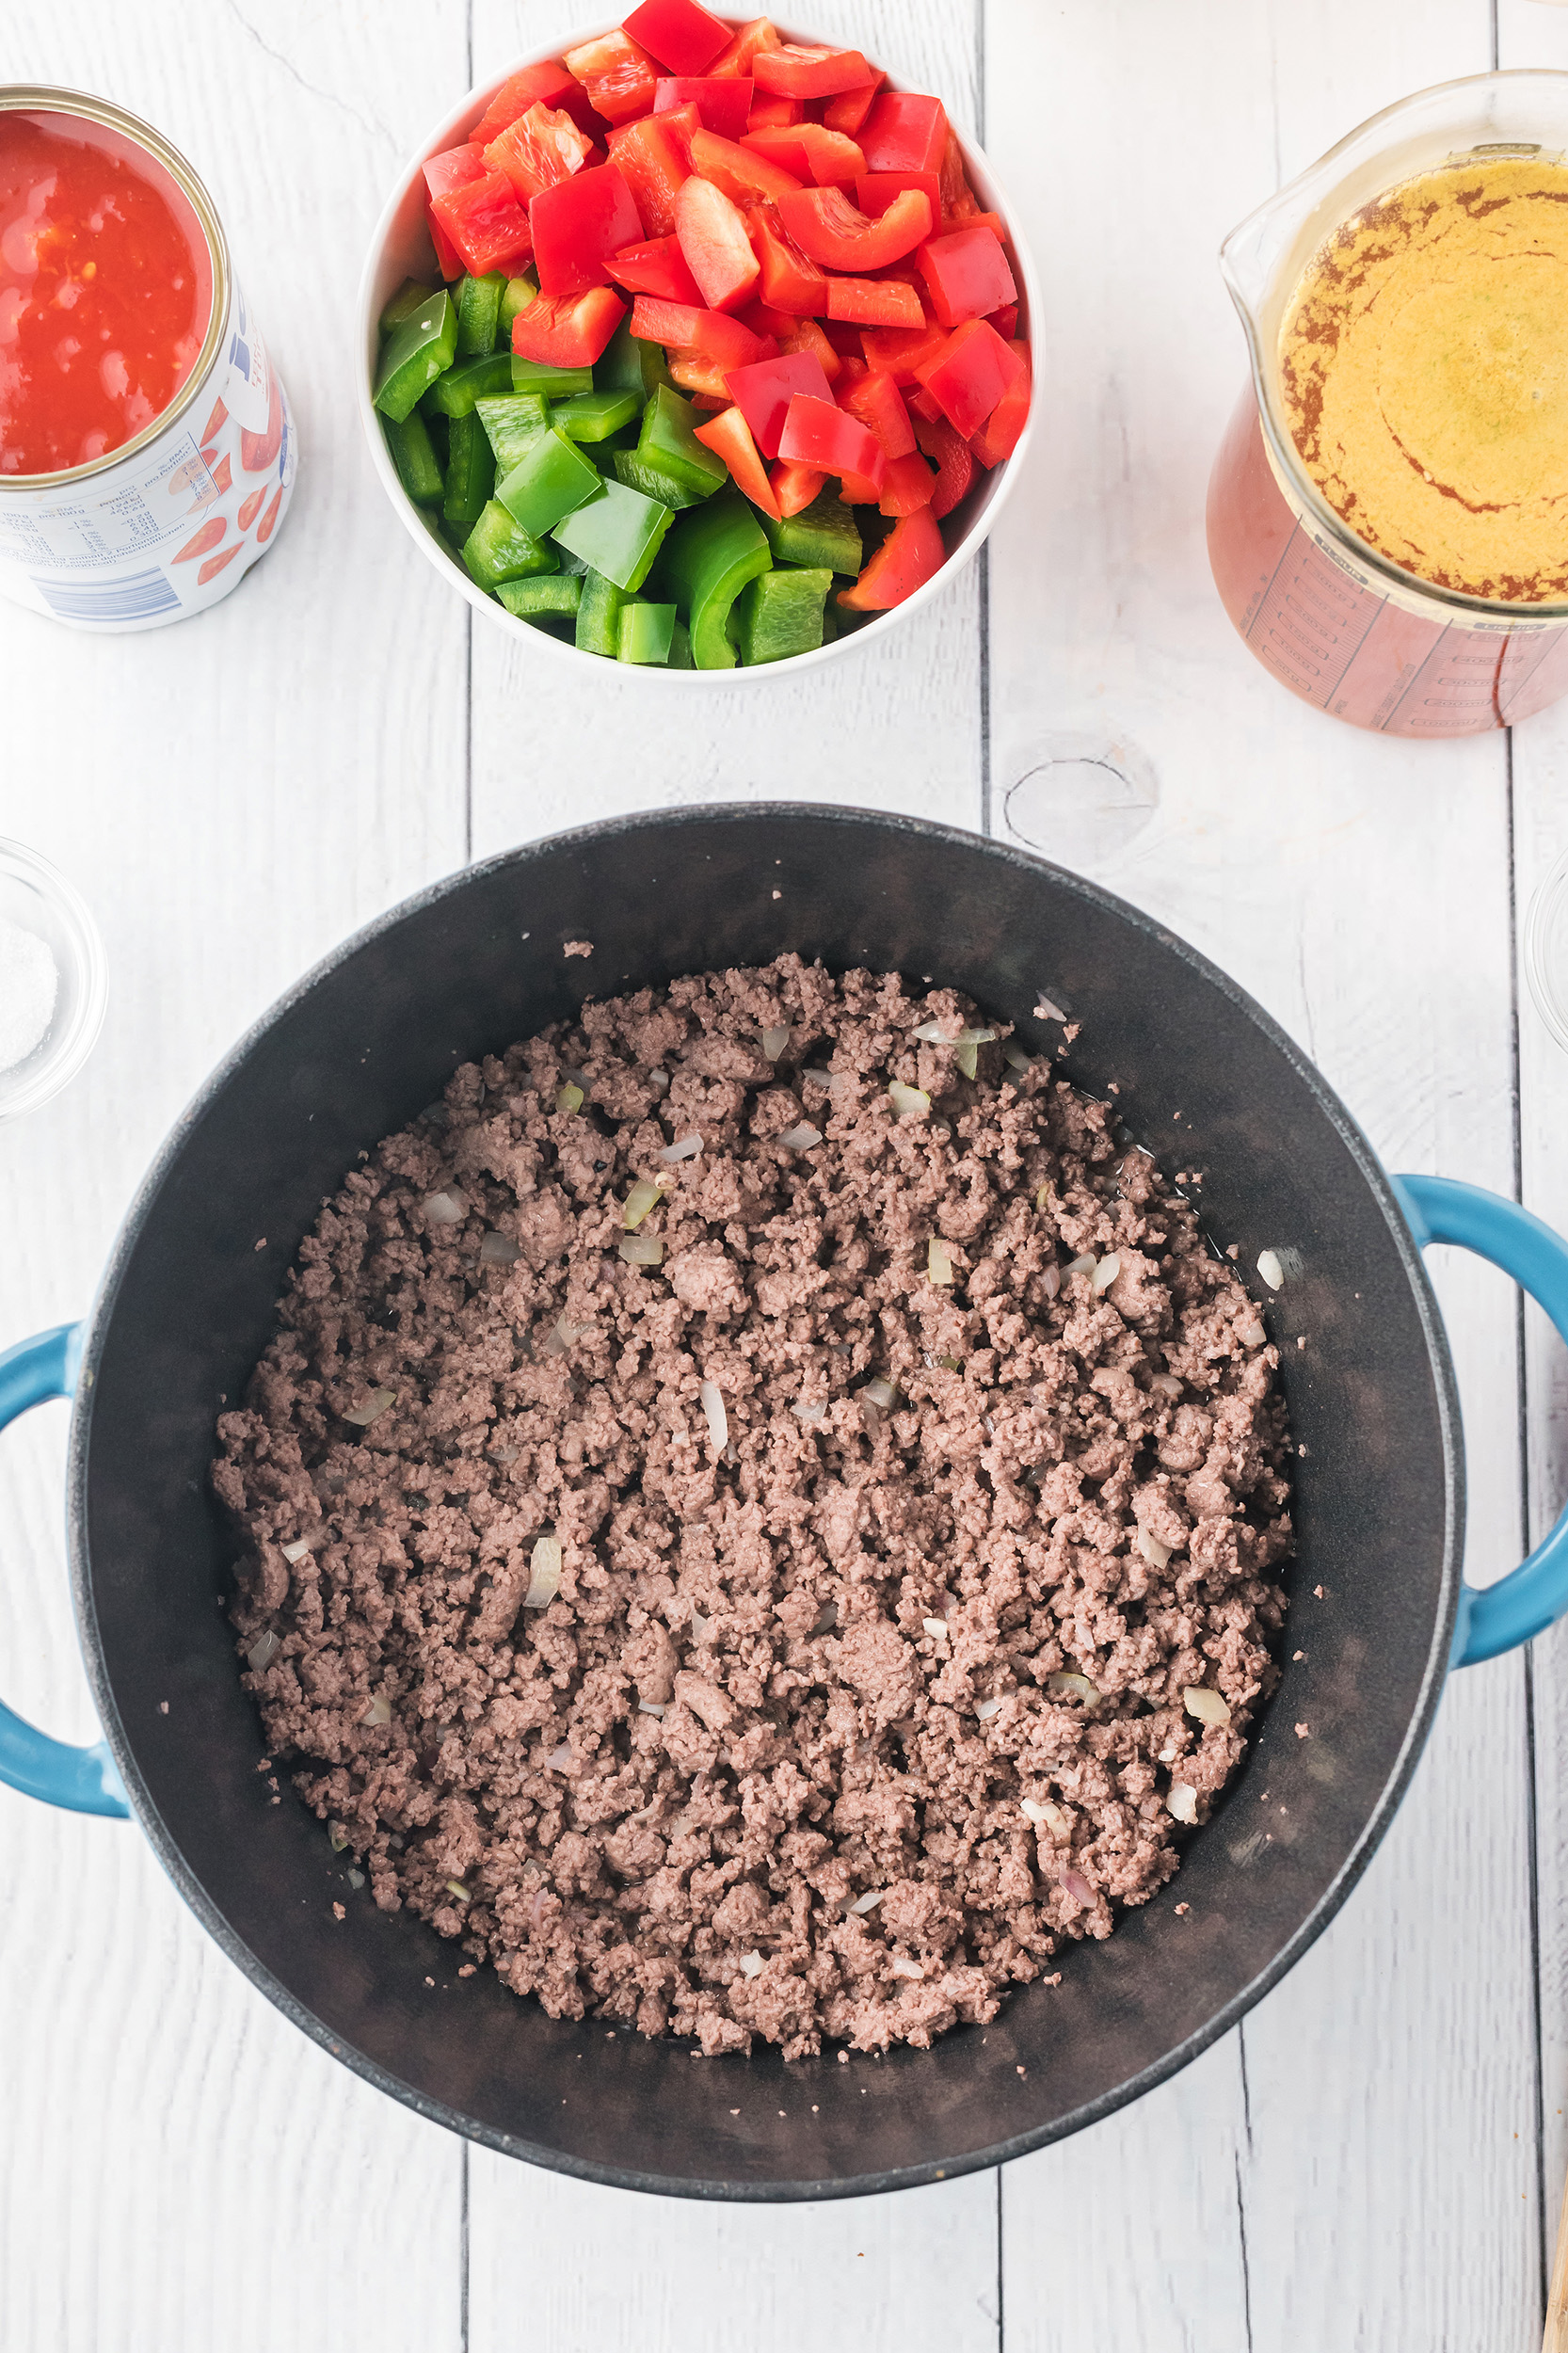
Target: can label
178,525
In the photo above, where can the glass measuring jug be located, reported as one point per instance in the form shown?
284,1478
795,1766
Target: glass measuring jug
1334,617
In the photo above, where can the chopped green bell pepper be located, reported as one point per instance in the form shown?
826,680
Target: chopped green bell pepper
594,416
499,549
708,558
599,614
547,483
681,649
780,613
628,364
537,375
418,469
418,350
619,534
520,293
470,472
823,535
455,393
404,303
645,632
668,442
533,599
511,423
652,481
478,309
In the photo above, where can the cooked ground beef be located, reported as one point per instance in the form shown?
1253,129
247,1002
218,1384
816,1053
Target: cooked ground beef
914,1514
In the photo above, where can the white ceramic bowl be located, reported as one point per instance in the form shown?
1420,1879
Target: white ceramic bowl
401,249
36,898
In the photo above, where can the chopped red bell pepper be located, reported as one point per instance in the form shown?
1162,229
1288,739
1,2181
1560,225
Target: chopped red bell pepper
486,223
848,111
789,281
1002,431
954,460
921,404
763,394
874,302
744,178
970,374
795,486
651,154
538,150
683,36
455,168
1005,321
967,276
878,403
911,554
874,191
806,335
901,350
766,111
579,226
656,268
810,152
830,229
852,368
818,434
618,75
742,51
844,340
448,260
909,484
857,491
729,436
548,84
711,334
809,73
905,132
702,378
712,235
958,198
568,331
723,105
763,320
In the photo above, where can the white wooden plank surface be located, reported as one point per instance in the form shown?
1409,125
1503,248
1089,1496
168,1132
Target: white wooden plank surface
180,2170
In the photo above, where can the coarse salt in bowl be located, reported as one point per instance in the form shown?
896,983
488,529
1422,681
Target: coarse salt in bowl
53,984
401,249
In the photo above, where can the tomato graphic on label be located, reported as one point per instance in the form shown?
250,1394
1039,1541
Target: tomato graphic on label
258,450
268,520
223,473
194,469
215,564
248,507
215,423
208,537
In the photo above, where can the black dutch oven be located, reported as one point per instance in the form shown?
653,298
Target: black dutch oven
472,964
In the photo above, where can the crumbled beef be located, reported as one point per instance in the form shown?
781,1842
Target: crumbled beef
841,1726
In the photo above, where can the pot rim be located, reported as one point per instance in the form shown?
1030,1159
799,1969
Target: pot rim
436,2111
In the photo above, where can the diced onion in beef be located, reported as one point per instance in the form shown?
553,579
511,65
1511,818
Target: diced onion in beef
652,1707
499,1249
909,1102
1077,1886
1154,1552
968,1059
1107,1271
1045,1011
1069,1685
1013,1055
986,1709
939,1266
871,1418
641,1249
298,1550
801,1137
905,1968
1270,1268
773,1043
569,1097
379,1710
1209,1707
718,1420
808,1410
373,1407
644,1195
264,1648
932,1034
356,1879
455,1887
1084,1265
882,1394
683,1148
936,1628
544,1574
1165,1384
818,1078
869,1901
445,1209
751,1964
563,1333
1050,1281
1183,1802
660,1081
561,1760
1035,1811
337,1839
1252,1332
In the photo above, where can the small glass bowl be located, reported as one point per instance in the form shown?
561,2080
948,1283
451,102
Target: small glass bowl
38,897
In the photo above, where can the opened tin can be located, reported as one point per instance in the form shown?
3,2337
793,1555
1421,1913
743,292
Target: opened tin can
171,520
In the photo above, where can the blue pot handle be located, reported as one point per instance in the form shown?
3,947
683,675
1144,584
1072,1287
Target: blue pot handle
1534,1597
83,1779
